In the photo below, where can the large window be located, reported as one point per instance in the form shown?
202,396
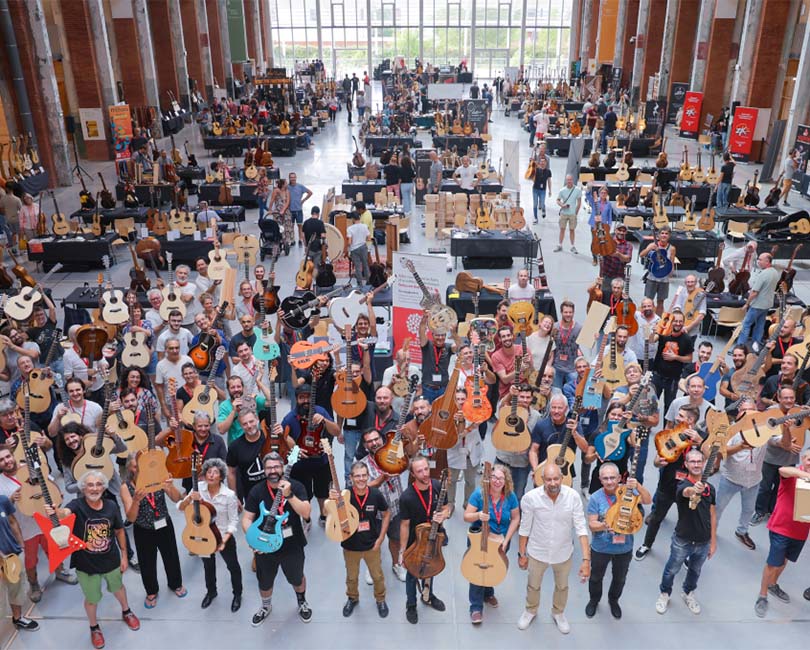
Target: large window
548,29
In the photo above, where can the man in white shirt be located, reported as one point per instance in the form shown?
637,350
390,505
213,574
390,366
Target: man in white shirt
207,217
733,260
466,175
695,388
188,294
153,314
170,367
522,291
357,235
647,321
548,513
175,330
247,369
89,412
203,282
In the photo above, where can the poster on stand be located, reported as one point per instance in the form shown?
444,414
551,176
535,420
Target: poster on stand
742,133
690,120
121,126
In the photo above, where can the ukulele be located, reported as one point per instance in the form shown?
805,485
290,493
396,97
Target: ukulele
424,558
342,518
180,441
265,534
484,562
625,516
96,448
717,425
202,400
391,457
152,472
201,535
348,401
510,432
171,295
561,454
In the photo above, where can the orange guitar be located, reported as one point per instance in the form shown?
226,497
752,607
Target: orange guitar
181,441
476,407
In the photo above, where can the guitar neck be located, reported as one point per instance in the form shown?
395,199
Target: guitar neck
434,526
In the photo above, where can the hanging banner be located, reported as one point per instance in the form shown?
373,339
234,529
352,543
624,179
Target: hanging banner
407,311
121,127
742,133
237,37
654,114
690,121
677,95
475,112
802,145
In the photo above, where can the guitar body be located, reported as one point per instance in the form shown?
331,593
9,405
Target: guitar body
594,389
612,445
746,382
265,348
178,460
39,389
136,352
264,534
200,354
21,306
152,472
171,301
566,464
710,379
613,372
626,316
61,540
739,285
114,310
303,279
625,516
201,537
476,407
391,457
485,567
130,433
754,427
522,316
601,241
203,400
671,443
442,318
424,558
510,432
31,499
91,458
294,313
348,401
439,429
659,264
343,520
344,311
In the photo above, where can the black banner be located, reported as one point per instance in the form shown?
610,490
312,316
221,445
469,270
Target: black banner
475,112
654,114
802,145
676,99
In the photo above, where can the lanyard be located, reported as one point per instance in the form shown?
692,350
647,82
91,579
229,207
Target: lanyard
385,421
613,304
782,345
273,497
153,502
438,354
84,406
362,503
497,511
205,449
15,480
427,506
563,338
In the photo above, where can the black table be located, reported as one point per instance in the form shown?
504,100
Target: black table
108,217
231,213
675,213
702,194
614,189
350,189
163,192
733,213
462,142
244,195
73,252
35,183
186,249
488,186
785,244
639,146
172,124
494,244
379,143
277,144
84,298
694,245
600,173
666,175
462,302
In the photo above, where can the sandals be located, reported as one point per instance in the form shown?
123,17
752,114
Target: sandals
150,602
181,592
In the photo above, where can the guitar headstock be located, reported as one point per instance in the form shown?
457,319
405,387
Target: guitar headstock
196,462
327,448
409,265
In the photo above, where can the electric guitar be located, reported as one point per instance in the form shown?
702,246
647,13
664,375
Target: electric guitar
717,425
200,352
625,516
611,445
265,533
391,457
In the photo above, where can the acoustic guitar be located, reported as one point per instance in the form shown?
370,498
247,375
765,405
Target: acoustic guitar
348,401
391,457
511,432
181,441
107,199
625,517
717,426
561,454
217,263
133,435
342,518
201,535
626,312
484,563
96,448
114,310
423,559
303,278
151,460
264,534
60,225
757,427
439,429
204,399
136,352
21,306
171,295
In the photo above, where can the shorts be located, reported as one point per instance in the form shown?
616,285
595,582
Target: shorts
91,584
393,528
31,547
783,549
569,221
297,216
654,287
291,563
316,478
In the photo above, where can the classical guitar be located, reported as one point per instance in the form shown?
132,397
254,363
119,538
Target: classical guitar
706,221
511,432
200,352
342,518
137,274
201,535
442,318
40,380
265,534
217,263
788,274
133,435
424,558
439,429
303,278
664,326
59,388
152,472
136,352
97,447
561,454
484,563
717,426
625,517
204,399
114,310
60,225
476,407
391,457
21,306
611,445
746,380
757,427
171,294
181,441
348,400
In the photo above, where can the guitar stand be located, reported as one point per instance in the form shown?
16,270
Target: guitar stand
77,169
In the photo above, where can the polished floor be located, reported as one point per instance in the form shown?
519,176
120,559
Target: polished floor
727,590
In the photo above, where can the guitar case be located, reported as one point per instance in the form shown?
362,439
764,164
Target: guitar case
782,226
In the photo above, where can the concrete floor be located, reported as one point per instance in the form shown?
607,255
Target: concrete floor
727,590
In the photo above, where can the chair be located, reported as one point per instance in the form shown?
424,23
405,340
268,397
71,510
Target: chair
736,230
633,223
727,317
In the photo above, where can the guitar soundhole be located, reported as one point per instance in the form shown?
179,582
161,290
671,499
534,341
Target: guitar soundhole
203,399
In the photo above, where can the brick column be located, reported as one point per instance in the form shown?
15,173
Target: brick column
188,13
721,50
266,40
585,33
203,34
654,41
800,104
768,53
621,34
215,41
629,50
257,35
685,30
224,40
164,51
251,20
639,52
130,63
179,51
573,35
704,28
667,46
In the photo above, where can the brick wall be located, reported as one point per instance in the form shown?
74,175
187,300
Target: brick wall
163,51
191,38
720,46
655,37
251,23
126,39
215,41
768,52
629,48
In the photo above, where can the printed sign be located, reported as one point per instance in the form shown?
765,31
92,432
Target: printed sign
690,120
742,132
677,96
121,127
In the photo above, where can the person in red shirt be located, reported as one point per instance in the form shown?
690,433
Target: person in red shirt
503,362
787,536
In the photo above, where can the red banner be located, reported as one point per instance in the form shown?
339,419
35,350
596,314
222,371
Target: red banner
690,119
742,132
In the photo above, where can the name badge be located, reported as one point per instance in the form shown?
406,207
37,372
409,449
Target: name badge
286,532
618,539
562,357
160,523
364,526
352,422
437,378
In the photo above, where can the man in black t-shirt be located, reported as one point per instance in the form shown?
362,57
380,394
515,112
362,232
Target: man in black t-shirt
726,178
244,458
671,474
290,557
435,359
99,525
541,186
419,504
366,542
315,235
673,353
695,538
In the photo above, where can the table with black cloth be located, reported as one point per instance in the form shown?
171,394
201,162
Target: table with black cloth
494,244
462,302
573,107
666,175
785,244
425,121
108,217
163,192
487,187
87,297
231,213
804,184
600,173
85,251
350,189
244,195
186,173
461,142
377,214
35,183
675,213
689,246
733,213
186,249
702,193
379,143
172,124
639,146
614,188
277,144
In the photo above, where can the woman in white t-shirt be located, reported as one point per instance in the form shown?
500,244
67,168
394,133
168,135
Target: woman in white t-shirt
539,340
541,123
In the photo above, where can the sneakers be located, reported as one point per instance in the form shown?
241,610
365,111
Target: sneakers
776,590
399,572
476,618
24,623
525,620
574,250
369,579
590,608
662,603
411,614
348,608
131,620
758,518
63,575
382,608
558,248
304,612
258,617
491,601
642,552
97,639
691,602
746,540
761,607
436,603
562,623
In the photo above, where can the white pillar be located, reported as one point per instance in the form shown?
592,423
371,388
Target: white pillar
641,45
704,30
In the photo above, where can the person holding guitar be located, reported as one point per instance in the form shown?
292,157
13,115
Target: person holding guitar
11,542
214,490
657,287
90,412
569,200
435,359
613,265
290,557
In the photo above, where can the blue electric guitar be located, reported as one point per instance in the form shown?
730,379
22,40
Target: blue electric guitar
265,348
595,384
612,444
711,372
264,534
659,263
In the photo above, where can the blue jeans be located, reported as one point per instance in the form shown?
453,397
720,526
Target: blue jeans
725,493
410,589
262,201
722,195
406,189
753,325
539,200
561,378
431,394
478,593
351,439
680,551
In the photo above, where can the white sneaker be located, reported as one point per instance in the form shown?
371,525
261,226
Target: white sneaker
662,603
691,602
400,572
369,581
525,619
562,623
